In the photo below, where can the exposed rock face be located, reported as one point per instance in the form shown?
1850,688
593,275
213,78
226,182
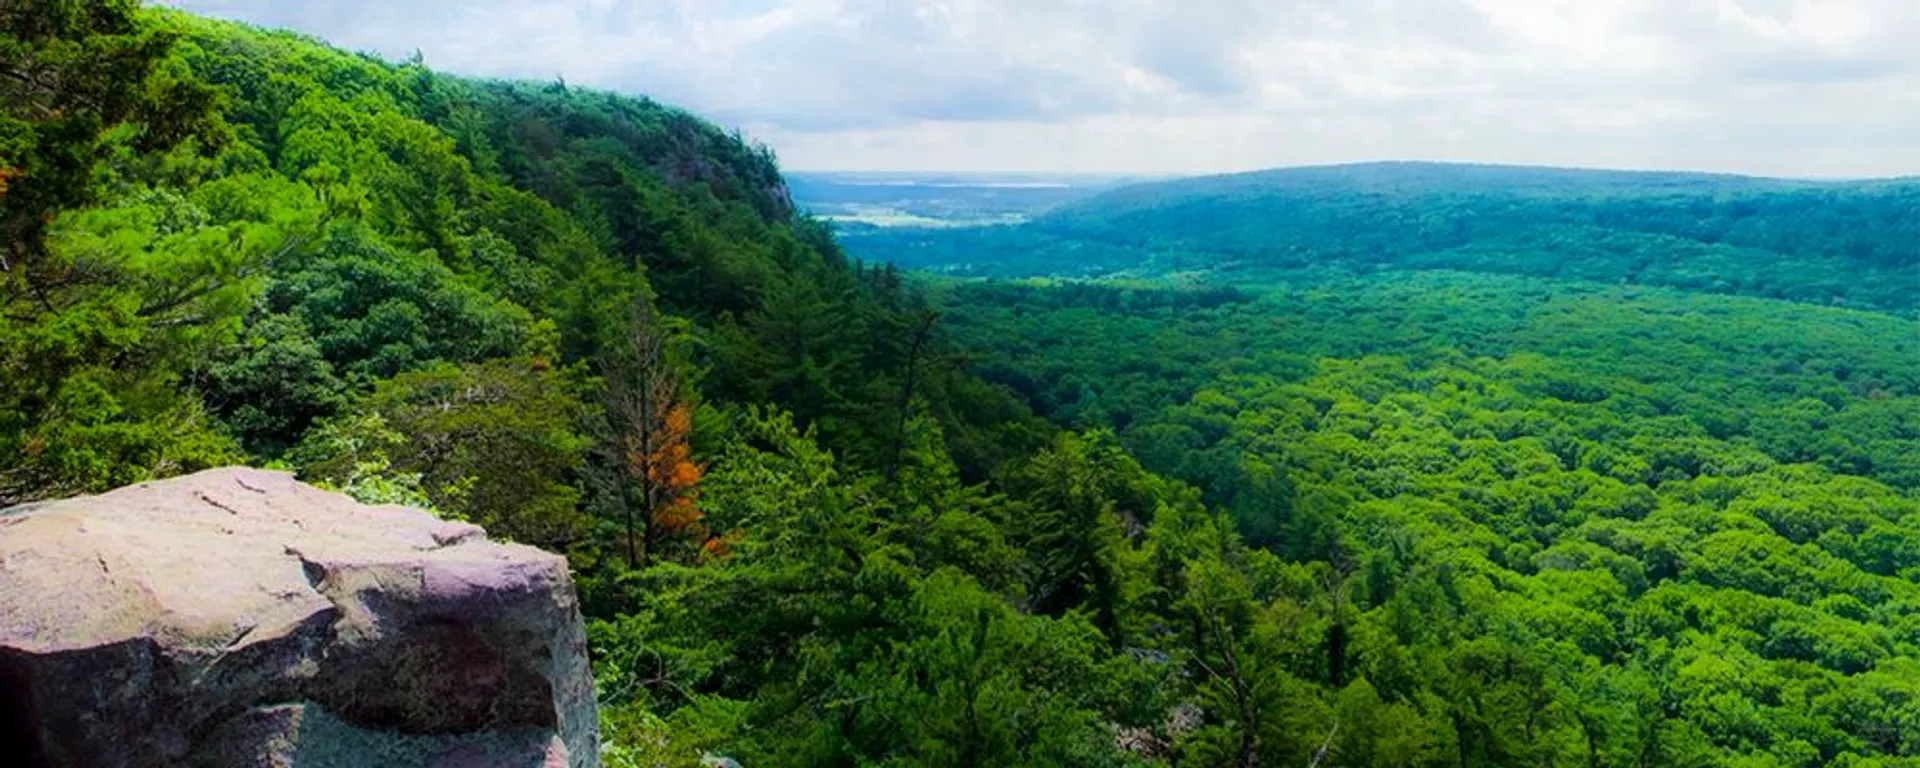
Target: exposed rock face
237,617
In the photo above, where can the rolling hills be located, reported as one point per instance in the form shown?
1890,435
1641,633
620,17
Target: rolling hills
1381,465
1833,243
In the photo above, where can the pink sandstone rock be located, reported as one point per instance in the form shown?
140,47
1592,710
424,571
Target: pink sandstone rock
239,617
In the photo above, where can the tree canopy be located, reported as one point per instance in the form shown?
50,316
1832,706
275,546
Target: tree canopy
1454,468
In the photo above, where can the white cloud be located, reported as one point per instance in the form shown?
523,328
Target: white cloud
1796,87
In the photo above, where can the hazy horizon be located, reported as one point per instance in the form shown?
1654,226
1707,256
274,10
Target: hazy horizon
1151,176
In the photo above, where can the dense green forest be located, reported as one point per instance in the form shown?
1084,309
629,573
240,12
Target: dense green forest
1836,243
1511,507
1627,526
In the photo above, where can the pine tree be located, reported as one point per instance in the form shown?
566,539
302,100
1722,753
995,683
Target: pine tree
70,73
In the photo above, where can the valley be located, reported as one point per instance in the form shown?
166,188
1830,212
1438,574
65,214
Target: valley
1381,464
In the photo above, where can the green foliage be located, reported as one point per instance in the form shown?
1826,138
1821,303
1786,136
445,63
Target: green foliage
100,362
1463,490
974,683
78,81
357,451
1072,529
497,443
1562,523
1830,243
375,312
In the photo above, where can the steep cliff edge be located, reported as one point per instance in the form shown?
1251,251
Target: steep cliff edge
239,617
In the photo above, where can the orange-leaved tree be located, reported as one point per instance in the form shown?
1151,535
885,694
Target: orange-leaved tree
672,478
647,467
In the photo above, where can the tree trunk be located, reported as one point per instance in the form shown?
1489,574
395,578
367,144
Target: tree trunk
906,392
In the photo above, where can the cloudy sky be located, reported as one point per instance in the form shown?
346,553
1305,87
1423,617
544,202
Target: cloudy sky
1781,87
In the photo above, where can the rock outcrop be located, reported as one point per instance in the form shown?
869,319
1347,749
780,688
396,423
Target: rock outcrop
237,617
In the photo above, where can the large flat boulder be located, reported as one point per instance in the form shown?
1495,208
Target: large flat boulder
237,617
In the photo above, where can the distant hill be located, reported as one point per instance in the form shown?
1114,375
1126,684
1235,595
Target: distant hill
1422,178
1853,243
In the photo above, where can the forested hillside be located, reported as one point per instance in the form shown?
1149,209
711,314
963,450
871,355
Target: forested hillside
826,513
1854,244
1547,521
